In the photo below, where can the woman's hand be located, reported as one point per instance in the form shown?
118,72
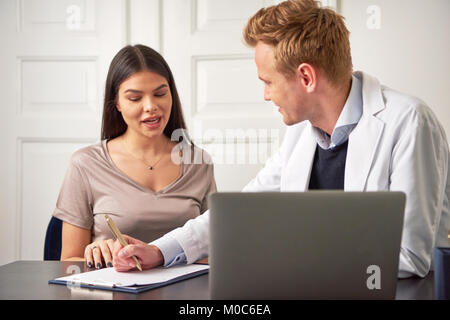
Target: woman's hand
149,256
97,251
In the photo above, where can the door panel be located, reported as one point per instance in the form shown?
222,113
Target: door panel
54,63
218,84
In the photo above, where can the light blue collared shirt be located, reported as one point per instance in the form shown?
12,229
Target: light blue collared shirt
348,119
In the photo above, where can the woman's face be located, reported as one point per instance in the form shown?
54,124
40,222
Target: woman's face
145,101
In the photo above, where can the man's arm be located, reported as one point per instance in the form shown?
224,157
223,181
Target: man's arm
419,168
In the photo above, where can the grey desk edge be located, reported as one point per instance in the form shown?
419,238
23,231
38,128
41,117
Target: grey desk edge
29,280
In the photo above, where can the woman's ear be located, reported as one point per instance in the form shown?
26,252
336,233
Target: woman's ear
118,107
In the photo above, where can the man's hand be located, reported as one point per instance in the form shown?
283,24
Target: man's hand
149,256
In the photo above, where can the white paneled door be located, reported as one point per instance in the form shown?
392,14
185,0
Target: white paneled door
218,84
54,60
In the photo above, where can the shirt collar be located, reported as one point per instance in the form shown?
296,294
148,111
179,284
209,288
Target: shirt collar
348,119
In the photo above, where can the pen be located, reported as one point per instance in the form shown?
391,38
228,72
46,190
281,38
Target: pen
118,235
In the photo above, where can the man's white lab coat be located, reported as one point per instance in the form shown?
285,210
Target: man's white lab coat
398,145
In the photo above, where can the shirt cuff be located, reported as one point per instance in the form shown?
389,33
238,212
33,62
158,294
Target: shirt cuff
171,250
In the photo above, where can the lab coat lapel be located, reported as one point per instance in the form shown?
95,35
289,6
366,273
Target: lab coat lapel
364,139
298,168
362,146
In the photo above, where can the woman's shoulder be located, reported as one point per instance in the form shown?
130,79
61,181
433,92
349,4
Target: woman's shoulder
197,156
88,154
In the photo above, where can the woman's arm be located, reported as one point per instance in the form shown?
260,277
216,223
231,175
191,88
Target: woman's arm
74,241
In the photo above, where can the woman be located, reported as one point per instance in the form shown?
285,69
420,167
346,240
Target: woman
130,174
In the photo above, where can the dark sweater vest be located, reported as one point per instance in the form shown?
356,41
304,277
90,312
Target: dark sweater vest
328,170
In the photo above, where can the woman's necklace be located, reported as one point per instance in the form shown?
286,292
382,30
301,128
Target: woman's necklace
150,167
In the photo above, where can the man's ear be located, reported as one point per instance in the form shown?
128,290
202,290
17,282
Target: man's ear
307,76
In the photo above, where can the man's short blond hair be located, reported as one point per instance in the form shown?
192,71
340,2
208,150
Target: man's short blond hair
301,31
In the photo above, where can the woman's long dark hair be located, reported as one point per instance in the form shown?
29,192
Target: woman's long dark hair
128,61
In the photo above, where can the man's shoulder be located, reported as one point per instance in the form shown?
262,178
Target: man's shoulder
407,113
396,100
389,104
402,106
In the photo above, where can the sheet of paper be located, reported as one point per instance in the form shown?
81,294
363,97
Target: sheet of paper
134,278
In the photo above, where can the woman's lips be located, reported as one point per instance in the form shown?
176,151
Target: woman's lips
152,123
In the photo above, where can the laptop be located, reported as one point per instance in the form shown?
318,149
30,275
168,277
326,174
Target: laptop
308,245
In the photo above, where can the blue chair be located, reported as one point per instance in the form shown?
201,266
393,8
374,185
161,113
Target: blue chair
53,240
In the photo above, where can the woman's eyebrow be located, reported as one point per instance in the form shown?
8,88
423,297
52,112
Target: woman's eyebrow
132,90
160,87
137,91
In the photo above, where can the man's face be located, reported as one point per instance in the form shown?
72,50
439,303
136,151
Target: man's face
287,94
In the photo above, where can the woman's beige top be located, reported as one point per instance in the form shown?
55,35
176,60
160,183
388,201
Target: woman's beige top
94,186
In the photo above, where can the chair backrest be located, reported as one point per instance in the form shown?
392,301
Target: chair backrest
53,240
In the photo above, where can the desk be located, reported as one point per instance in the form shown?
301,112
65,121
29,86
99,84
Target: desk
29,280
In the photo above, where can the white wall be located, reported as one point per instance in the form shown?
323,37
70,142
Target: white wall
409,52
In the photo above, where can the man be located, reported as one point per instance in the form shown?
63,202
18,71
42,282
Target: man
346,131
